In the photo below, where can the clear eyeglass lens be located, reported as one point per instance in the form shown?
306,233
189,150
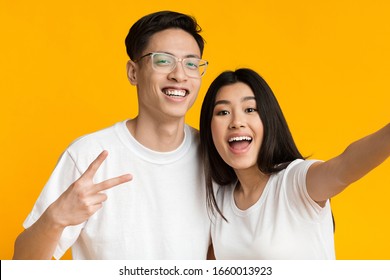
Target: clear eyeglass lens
165,63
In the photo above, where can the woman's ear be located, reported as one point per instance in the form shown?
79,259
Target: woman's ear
131,72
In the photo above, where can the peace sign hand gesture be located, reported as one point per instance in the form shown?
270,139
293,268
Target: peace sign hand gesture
83,198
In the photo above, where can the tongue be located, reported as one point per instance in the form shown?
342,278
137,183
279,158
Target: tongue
239,145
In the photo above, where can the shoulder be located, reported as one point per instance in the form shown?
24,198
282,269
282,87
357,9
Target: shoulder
289,189
98,137
292,179
298,167
92,144
292,183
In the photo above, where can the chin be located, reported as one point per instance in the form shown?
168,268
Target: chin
242,166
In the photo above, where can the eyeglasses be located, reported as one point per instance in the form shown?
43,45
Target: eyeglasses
166,63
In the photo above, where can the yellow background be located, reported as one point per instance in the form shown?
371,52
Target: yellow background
63,75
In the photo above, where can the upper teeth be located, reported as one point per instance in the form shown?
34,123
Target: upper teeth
175,92
240,138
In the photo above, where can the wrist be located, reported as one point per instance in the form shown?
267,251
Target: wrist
54,219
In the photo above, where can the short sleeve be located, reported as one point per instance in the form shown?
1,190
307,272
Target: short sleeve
64,174
294,184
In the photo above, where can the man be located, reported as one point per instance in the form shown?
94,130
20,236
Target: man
157,212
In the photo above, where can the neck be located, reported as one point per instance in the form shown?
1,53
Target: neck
157,136
250,186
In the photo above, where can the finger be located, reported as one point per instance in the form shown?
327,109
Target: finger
108,184
93,209
97,198
94,166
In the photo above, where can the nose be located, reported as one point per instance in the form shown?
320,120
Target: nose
236,122
178,74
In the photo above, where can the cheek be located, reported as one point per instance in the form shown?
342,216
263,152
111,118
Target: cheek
146,81
194,90
259,133
196,85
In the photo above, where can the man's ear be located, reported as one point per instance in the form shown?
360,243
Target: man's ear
131,72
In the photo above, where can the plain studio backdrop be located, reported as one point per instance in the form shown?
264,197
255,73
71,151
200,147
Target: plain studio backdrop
63,75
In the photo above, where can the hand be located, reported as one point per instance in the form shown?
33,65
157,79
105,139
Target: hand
83,198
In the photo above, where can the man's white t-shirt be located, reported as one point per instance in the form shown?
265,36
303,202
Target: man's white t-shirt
285,223
160,214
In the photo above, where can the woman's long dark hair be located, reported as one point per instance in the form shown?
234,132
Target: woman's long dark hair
278,149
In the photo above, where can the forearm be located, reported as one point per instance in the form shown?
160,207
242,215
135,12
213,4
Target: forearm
38,241
328,179
364,155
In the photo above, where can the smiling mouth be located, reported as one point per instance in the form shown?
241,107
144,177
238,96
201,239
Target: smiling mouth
175,93
239,142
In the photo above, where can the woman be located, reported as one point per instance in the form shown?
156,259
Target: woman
268,201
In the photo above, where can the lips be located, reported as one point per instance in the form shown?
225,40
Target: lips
239,143
175,93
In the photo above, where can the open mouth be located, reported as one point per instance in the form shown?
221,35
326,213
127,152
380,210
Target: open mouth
240,142
175,93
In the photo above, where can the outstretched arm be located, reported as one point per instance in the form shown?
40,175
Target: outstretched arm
80,201
327,179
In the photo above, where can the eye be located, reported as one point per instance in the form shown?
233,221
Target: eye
192,63
250,110
222,113
162,60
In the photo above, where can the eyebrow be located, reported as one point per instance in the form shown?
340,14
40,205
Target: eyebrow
246,98
186,56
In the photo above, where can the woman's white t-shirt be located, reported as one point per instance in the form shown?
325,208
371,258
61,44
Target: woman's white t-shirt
285,223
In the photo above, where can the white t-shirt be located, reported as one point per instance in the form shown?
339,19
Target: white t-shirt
285,223
160,214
